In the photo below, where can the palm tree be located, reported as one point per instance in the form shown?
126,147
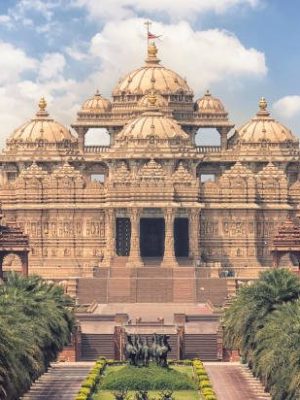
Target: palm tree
36,321
249,310
277,355
264,323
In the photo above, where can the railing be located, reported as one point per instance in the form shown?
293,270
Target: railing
95,149
208,149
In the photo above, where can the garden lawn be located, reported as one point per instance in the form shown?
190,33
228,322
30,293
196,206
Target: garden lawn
179,395
176,378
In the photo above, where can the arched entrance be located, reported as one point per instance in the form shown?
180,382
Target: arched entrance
13,242
286,242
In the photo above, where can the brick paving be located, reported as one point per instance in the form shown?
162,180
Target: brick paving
233,381
61,382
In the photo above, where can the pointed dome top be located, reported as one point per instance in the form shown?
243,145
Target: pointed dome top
210,104
152,54
41,128
152,76
96,104
263,128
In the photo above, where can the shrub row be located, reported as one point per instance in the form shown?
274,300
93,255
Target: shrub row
205,387
91,381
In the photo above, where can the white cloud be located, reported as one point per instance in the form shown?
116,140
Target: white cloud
51,66
175,9
288,106
5,20
203,57
13,62
76,53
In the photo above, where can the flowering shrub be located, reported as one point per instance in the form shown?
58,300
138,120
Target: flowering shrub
91,381
204,385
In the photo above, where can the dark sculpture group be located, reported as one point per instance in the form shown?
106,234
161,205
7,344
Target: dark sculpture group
139,352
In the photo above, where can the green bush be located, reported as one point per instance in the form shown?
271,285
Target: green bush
90,382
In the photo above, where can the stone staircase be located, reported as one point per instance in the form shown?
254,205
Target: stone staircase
255,384
96,345
203,346
214,290
184,285
234,381
153,284
62,381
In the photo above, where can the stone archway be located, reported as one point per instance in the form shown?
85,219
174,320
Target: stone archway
286,241
13,241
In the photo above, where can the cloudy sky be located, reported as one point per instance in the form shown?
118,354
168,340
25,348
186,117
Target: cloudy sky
66,49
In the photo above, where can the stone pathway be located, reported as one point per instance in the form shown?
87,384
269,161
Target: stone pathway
61,382
234,381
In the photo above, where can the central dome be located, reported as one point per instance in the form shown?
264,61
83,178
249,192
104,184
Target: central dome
152,76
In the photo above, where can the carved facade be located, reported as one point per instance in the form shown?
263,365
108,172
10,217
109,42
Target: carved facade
143,195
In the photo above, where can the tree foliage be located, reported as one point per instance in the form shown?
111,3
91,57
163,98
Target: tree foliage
264,324
36,321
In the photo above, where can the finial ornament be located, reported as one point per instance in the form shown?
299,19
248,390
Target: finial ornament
42,104
207,93
152,98
263,104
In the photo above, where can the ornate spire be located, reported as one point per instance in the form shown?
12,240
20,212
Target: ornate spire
42,108
263,105
152,54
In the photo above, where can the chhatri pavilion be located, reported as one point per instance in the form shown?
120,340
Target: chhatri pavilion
143,199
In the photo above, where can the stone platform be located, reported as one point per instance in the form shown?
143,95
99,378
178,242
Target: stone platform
193,329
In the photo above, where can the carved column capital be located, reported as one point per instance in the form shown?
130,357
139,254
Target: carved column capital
169,215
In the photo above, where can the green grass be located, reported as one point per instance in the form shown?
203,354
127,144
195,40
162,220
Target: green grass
179,395
148,378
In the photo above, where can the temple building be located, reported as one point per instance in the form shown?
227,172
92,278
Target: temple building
143,199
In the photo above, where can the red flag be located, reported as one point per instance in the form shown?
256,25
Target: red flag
151,36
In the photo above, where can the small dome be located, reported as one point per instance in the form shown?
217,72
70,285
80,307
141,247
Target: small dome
96,104
146,101
263,128
41,129
152,124
152,76
209,104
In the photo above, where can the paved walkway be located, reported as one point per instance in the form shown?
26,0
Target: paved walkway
61,382
234,381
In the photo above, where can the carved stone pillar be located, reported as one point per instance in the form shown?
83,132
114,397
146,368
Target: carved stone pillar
81,131
194,234
169,259
24,259
110,230
1,268
223,133
134,259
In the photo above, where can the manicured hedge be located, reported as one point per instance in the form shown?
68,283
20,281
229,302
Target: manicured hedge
91,381
204,384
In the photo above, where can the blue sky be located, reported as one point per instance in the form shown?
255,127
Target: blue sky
66,49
